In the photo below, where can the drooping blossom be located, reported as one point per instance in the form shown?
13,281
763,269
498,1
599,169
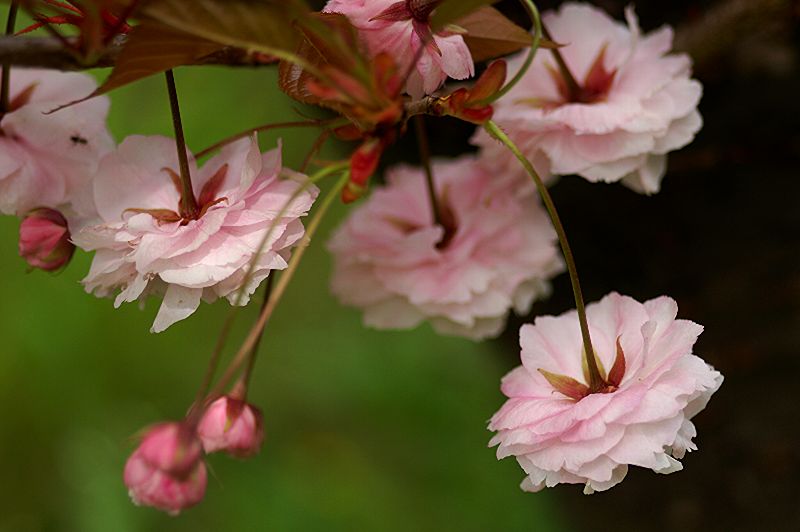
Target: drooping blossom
46,158
401,28
167,470
493,252
232,425
145,246
560,432
634,103
44,240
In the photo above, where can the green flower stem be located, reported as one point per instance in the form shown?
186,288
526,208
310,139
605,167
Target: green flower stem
280,287
595,379
216,355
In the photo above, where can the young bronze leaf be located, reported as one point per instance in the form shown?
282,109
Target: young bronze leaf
266,26
153,48
490,34
566,385
452,10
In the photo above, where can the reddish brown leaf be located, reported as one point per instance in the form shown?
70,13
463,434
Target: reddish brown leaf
163,216
266,26
489,83
490,34
212,186
618,369
451,10
566,385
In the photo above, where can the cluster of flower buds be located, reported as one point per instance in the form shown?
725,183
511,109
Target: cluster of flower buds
167,470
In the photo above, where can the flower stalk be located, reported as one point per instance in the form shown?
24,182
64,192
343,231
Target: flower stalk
280,287
574,88
596,381
189,208
425,158
5,83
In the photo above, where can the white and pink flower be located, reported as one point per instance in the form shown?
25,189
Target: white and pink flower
561,433
493,252
401,29
144,246
46,158
635,101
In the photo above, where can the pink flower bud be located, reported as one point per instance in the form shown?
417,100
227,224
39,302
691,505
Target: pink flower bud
233,426
44,240
166,471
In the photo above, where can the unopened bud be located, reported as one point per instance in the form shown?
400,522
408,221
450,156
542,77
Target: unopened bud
233,426
44,239
167,471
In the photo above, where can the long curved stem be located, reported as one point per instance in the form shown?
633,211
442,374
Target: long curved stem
216,355
265,127
280,289
596,380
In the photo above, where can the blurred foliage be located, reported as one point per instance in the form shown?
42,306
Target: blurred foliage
365,430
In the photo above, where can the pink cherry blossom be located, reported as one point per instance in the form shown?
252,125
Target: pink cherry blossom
642,418
167,471
232,425
636,101
46,158
143,246
44,239
400,28
495,252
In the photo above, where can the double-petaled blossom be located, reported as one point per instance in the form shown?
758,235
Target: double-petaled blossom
561,432
492,252
46,158
232,425
44,240
403,30
634,101
167,470
144,244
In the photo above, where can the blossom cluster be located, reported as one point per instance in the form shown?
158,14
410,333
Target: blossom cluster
457,243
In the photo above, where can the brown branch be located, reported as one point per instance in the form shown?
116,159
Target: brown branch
49,52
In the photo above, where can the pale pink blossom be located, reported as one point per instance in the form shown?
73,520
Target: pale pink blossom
46,158
44,240
642,418
232,425
495,252
167,470
143,246
636,103
401,28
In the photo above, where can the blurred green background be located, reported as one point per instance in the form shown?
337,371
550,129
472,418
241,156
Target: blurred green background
365,430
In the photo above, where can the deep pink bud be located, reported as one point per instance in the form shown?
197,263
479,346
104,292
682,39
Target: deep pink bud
167,471
44,239
233,426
